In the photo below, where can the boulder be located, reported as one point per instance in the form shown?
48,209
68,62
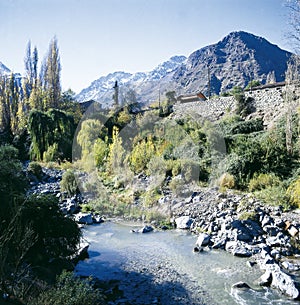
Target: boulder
81,254
97,219
219,243
146,229
241,285
246,230
290,266
203,240
280,280
292,231
271,230
238,248
284,283
84,218
265,279
183,222
70,206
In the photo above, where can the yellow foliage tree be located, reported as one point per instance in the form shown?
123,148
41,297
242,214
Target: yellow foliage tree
142,154
116,154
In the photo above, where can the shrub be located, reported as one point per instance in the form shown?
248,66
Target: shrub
244,105
275,195
70,290
253,83
177,185
141,154
190,170
51,154
100,152
150,198
226,181
35,169
246,127
293,192
262,181
56,235
69,183
248,215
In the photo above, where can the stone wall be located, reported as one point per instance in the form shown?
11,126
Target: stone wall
268,103
212,109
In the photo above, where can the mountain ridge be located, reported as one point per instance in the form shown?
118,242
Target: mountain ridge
233,61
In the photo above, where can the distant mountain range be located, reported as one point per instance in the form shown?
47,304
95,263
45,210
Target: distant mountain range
234,61
3,69
101,90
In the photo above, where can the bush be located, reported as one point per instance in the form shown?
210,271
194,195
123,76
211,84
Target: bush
150,198
253,83
248,215
35,169
51,154
56,235
262,181
246,127
177,185
12,180
275,195
70,290
69,183
226,181
293,192
244,105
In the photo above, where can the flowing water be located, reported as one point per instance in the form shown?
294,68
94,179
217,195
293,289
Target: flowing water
161,268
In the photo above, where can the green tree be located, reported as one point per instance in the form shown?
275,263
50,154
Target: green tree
69,105
31,76
87,136
48,128
51,73
141,154
171,99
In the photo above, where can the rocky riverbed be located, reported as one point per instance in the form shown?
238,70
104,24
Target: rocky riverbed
236,223
243,226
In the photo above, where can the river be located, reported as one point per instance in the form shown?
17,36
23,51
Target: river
161,268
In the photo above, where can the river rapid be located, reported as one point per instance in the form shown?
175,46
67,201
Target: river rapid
161,268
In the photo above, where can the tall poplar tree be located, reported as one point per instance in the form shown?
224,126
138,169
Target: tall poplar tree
51,75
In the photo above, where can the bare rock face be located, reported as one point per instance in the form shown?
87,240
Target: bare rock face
235,60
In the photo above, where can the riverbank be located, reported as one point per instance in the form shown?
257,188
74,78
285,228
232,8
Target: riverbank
243,226
237,223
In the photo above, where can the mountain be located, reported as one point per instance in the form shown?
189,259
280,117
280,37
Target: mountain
101,90
3,69
234,61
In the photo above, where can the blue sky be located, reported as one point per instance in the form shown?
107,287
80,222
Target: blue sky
96,37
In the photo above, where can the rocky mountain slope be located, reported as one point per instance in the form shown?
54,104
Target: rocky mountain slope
236,59
142,83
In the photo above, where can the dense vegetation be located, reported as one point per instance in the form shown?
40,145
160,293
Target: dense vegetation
125,160
180,154
37,242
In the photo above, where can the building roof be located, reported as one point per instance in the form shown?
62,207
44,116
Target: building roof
196,97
